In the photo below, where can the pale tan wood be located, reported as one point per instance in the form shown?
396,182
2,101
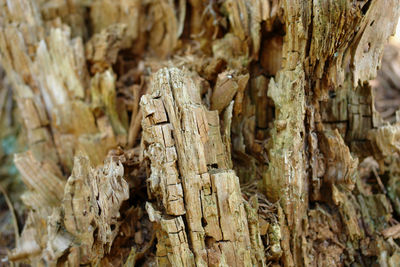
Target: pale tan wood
190,176
256,140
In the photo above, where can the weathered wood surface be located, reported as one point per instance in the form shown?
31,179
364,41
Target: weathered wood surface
191,176
192,133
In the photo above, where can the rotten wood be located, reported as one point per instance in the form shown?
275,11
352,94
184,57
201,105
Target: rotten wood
191,133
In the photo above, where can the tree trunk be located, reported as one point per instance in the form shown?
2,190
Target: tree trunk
236,133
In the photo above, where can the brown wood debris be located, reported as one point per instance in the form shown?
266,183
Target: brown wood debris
199,133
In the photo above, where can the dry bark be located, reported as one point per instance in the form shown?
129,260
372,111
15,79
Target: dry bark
234,133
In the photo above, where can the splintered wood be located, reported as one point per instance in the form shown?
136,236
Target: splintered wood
90,203
200,133
190,179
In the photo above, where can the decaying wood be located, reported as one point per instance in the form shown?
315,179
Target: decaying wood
90,203
193,133
191,176
386,84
